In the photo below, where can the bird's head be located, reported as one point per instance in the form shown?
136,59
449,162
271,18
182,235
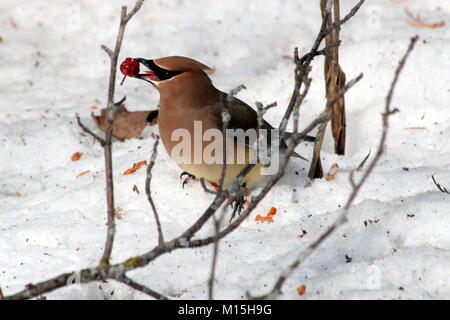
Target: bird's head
171,71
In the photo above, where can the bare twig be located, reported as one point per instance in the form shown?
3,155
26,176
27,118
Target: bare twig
225,121
139,287
205,188
441,189
342,216
303,64
226,118
112,109
316,167
88,131
215,256
148,190
358,168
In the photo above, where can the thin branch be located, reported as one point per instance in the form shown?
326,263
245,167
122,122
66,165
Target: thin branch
108,51
299,102
88,131
303,64
111,111
342,216
136,8
358,168
315,163
148,190
226,118
205,188
441,189
139,287
215,256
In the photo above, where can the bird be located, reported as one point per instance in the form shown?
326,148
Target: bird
187,95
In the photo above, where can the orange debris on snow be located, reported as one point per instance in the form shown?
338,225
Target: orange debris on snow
135,166
76,156
416,21
83,173
333,171
301,290
268,217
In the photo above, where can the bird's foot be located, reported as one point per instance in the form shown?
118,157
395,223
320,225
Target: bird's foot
188,179
238,204
239,201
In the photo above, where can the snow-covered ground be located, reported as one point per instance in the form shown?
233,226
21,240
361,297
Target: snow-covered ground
51,222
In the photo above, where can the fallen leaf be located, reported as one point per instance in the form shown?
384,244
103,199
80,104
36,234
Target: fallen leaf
76,156
83,173
135,166
135,189
301,290
416,21
333,171
268,217
77,249
127,125
18,194
94,107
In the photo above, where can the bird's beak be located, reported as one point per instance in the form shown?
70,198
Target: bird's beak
149,74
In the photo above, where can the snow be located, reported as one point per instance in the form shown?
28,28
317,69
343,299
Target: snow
52,68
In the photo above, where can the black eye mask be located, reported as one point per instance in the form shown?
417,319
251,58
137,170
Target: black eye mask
162,74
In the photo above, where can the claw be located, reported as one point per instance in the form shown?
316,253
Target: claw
238,205
188,179
239,201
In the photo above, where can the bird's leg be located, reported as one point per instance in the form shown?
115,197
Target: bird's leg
189,178
239,201
238,205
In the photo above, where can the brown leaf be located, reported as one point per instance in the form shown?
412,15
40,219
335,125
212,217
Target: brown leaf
334,81
416,21
76,156
127,125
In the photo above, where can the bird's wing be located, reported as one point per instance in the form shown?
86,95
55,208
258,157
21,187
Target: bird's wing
242,116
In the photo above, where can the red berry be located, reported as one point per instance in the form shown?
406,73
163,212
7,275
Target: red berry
130,67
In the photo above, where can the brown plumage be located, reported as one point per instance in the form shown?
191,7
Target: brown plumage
187,95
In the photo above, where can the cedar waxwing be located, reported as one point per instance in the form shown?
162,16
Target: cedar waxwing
187,99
